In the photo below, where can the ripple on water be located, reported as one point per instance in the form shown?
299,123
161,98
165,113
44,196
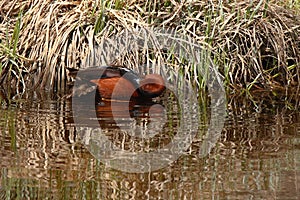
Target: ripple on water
256,157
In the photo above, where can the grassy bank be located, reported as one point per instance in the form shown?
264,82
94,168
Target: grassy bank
254,44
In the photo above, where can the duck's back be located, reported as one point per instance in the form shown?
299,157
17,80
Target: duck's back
117,83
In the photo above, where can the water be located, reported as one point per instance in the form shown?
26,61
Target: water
44,155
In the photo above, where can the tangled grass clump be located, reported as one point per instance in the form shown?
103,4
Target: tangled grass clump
253,44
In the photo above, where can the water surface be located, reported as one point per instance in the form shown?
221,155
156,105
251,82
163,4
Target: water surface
257,155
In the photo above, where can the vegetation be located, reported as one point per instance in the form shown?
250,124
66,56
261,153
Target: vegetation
255,44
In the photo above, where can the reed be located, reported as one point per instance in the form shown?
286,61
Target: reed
253,45
11,67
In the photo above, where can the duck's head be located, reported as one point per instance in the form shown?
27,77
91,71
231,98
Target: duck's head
152,85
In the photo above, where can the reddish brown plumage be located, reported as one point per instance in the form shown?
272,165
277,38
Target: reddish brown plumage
118,84
116,88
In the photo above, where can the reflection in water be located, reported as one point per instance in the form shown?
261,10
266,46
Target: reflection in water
133,125
116,114
257,156
132,136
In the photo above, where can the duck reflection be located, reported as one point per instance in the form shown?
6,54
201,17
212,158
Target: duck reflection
134,116
133,125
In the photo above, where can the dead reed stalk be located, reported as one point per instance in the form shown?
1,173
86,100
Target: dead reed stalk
254,44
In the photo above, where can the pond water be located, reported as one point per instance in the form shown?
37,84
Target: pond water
46,154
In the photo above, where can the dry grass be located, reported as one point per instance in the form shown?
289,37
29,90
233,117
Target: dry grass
253,45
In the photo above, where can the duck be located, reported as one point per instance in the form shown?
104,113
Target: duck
116,82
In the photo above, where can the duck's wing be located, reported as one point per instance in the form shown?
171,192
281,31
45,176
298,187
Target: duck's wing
131,76
90,73
84,78
81,84
120,71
